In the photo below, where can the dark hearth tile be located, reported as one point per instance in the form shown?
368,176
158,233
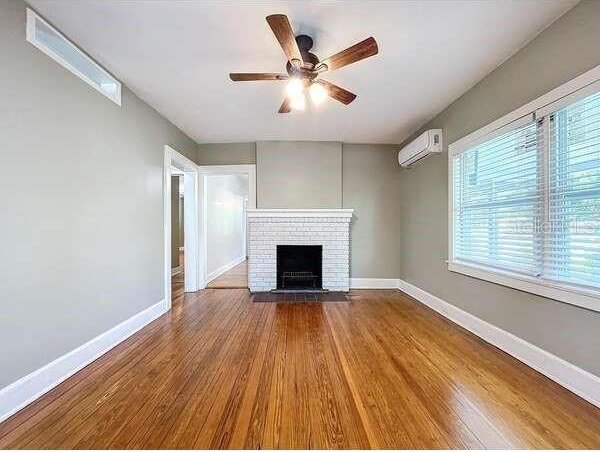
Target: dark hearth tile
300,297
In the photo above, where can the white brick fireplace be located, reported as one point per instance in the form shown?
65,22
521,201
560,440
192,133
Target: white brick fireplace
329,228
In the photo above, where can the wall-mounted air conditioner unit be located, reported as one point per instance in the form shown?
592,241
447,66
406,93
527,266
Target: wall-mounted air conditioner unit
429,142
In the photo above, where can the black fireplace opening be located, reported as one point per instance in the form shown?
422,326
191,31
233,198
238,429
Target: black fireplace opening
299,267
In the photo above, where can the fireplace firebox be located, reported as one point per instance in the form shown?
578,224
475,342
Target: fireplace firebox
299,267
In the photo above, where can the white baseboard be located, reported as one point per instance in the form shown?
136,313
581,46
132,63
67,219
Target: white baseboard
22,392
219,271
176,270
581,382
373,283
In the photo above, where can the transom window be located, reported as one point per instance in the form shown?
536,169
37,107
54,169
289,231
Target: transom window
54,44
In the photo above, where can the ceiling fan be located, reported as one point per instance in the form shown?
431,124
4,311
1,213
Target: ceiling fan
303,67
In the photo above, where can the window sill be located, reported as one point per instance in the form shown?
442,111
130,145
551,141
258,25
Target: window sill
574,295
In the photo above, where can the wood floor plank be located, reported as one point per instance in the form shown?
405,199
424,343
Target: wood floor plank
378,371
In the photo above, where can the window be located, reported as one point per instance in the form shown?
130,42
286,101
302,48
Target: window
525,200
573,244
50,41
497,189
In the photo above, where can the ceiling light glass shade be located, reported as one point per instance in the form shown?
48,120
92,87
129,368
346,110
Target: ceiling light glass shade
298,102
294,88
318,93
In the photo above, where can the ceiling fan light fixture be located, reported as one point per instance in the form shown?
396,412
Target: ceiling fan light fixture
303,67
318,93
294,88
298,102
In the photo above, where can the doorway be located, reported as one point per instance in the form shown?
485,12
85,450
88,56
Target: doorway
182,264
228,192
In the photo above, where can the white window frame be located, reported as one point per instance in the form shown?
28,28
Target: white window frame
31,37
563,95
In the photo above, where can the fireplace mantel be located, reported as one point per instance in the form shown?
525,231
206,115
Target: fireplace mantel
300,213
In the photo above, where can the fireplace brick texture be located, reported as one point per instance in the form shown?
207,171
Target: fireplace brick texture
265,233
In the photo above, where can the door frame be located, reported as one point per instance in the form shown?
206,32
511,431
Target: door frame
204,171
193,272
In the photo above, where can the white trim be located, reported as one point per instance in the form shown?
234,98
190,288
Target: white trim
585,298
204,171
557,93
24,391
450,206
176,270
194,272
299,213
30,35
250,170
506,128
586,91
219,271
581,382
374,283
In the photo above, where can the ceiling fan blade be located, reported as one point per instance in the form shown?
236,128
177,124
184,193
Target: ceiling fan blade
337,93
282,29
285,106
251,76
357,52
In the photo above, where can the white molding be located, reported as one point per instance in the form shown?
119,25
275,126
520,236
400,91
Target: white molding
176,270
373,283
249,170
581,382
194,272
22,392
557,93
219,271
300,213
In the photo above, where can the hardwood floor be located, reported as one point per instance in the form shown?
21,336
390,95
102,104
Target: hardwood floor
235,278
380,371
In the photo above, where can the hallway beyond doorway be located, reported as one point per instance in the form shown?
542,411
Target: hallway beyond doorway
236,278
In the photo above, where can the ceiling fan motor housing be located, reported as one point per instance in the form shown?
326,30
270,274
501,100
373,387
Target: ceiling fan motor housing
309,60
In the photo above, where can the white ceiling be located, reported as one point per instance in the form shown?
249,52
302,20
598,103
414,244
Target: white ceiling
176,55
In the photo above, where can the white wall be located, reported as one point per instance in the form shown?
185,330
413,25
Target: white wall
225,219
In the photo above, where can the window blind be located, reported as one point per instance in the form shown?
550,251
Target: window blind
498,201
572,244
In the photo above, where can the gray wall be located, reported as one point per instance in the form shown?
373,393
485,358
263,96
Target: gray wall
226,154
298,175
371,181
82,205
566,49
